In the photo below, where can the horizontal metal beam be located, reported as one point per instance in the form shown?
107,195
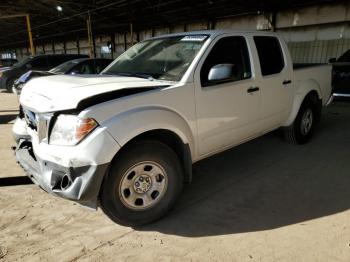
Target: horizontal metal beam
12,16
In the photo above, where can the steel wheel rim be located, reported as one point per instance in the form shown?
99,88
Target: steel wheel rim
143,185
306,122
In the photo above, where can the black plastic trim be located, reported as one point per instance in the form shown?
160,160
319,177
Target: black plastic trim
104,97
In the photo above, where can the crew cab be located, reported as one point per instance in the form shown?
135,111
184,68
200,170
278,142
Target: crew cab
126,140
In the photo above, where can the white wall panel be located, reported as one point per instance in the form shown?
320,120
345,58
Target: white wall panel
250,22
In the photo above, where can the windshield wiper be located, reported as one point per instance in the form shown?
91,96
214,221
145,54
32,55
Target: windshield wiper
139,75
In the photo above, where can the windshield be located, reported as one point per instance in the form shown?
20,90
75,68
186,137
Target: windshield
163,58
65,67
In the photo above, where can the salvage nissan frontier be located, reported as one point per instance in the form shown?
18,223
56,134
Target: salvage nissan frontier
125,140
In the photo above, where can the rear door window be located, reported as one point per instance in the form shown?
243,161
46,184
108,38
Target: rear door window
270,54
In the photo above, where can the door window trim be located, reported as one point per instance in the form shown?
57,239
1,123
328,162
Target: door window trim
220,83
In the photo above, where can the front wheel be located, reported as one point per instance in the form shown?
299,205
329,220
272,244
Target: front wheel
142,185
300,132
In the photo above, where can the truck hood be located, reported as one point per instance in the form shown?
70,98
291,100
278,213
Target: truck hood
63,92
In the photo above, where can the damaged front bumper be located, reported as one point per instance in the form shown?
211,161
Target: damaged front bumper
75,173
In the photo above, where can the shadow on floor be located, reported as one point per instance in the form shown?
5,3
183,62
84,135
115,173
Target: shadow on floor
4,119
9,111
267,183
15,181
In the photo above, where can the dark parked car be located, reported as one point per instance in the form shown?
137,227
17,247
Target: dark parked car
341,75
7,62
39,62
80,66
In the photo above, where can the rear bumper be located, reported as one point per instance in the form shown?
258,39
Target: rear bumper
330,100
80,184
342,95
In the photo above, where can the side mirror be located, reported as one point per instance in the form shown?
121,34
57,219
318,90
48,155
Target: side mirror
220,72
28,66
332,60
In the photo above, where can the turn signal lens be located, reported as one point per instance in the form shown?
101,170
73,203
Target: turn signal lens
84,127
69,130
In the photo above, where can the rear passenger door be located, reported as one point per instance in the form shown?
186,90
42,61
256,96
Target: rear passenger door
275,80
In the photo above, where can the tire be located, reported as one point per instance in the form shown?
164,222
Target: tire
138,161
9,84
301,131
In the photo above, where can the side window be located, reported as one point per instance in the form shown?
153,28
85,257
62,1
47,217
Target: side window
100,65
229,50
55,60
83,68
39,63
270,54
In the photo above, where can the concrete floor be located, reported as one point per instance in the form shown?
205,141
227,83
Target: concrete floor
265,200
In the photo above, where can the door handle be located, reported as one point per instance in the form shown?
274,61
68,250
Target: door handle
287,82
253,89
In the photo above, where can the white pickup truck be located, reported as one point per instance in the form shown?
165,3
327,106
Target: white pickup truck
126,140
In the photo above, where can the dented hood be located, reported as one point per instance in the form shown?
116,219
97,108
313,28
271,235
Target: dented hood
63,92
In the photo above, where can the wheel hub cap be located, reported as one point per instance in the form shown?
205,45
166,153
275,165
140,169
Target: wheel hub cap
306,122
143,185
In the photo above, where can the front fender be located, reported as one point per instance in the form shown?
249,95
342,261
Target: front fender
129,124
303,89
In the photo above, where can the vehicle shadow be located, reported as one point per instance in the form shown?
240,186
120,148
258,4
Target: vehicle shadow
4,119
266,184
15,181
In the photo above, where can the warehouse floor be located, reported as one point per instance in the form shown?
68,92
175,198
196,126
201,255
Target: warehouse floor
262,201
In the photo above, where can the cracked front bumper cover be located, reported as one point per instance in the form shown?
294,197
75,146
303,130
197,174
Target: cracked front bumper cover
84,181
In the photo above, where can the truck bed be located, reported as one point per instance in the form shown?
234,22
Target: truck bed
319,73
304,65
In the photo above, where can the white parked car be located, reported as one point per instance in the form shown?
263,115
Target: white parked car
127,139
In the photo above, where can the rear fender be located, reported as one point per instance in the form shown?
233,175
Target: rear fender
304,88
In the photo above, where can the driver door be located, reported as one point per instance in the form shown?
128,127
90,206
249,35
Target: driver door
228,110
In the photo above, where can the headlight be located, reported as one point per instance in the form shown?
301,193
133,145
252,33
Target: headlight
69,130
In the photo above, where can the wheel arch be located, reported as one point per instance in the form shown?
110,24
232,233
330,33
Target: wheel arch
172,140
309,89
154,123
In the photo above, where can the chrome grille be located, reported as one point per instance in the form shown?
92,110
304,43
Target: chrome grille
30,118
38,122
42,127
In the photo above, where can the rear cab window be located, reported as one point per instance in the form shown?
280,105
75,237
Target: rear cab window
270,54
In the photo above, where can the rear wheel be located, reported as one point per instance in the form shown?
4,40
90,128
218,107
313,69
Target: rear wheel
143,184
9,85
300,132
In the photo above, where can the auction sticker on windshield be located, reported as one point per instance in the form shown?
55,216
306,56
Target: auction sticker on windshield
196,38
